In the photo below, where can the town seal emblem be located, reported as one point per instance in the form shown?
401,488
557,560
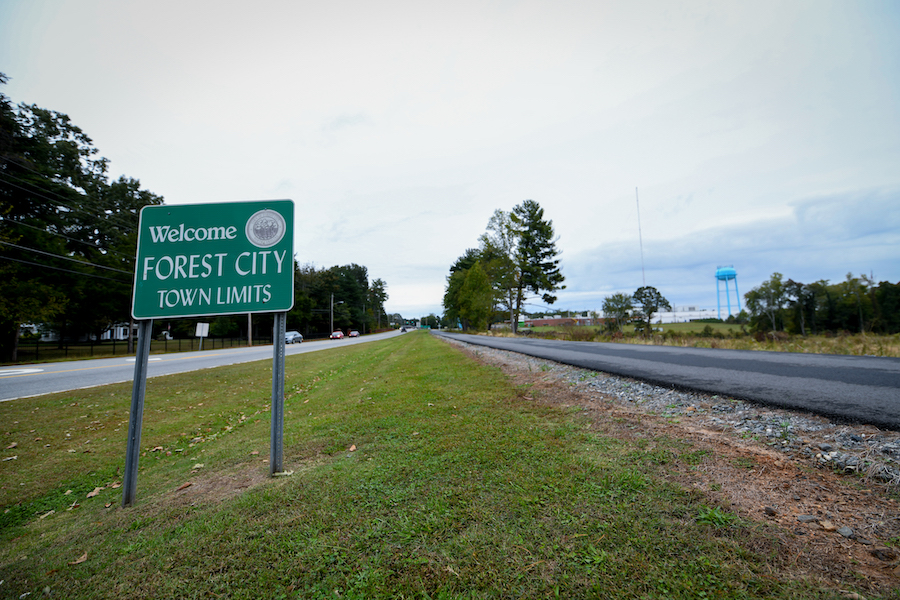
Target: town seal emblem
265,228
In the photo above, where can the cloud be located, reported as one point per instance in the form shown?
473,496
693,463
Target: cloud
823,237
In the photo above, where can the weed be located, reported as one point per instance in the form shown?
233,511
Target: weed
715,516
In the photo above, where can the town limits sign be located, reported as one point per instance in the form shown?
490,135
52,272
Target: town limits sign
214,259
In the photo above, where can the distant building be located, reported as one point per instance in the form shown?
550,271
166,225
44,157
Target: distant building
583,319
685,314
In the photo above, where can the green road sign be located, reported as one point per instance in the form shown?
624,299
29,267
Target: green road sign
214,259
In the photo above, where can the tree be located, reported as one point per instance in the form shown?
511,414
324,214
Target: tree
357,305
497,253
67,236
802,301
518,255
536,256
767,300
377,297
618,307
453,299
476,298
650,301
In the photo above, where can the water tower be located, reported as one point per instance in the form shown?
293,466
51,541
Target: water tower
727,273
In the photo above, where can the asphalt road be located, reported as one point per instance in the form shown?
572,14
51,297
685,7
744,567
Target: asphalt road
23,381
858,389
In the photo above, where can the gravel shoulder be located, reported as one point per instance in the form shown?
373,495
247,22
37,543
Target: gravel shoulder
828,491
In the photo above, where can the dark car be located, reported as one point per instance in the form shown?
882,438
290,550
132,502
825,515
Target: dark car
354,333
292,337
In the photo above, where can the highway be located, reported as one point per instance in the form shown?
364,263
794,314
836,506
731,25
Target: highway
24,381
858,389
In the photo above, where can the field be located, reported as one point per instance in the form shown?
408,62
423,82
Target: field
415,472
732,337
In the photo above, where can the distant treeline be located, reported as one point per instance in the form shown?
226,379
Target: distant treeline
856,304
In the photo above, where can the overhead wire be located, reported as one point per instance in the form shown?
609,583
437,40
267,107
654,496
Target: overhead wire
25,166
69,258
67,203
19,260
4,221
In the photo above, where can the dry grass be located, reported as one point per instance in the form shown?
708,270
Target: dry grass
845,344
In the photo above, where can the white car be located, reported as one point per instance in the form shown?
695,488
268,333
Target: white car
292,337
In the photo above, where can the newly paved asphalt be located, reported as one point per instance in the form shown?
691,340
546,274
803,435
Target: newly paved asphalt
23,381
859,389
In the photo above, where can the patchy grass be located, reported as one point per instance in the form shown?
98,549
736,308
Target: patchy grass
416,473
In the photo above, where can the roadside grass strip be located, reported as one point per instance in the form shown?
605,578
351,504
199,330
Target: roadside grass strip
416,473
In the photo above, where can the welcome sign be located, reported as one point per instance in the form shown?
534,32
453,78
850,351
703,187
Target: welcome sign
214,259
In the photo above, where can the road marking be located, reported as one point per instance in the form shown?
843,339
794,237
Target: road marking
133,359
13,372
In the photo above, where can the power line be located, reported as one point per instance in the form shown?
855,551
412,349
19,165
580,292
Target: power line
65,202
12,160
75,260
18,260
65,237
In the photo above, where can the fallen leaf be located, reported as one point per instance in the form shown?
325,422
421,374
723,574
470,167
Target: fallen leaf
80,560
96,492
254,453
8,458
184,486
45,515
198,466
108,504
353,448
13,445
67,492
157,449
115,485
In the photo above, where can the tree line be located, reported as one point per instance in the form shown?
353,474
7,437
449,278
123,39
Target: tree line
856,304
516,261
67,233
68,237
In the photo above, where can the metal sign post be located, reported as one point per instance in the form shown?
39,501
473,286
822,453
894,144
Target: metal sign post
276,453
198,260
138,388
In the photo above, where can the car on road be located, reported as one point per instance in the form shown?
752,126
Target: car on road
337,335
293,337
354,333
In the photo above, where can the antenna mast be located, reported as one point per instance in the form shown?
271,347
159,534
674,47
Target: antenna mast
640,239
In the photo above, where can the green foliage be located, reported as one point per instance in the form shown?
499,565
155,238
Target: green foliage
650,301
855,305
357,304
519,256
67,235
715,517
617,308
476,298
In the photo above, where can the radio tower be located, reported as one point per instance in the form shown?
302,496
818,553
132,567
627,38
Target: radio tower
640,239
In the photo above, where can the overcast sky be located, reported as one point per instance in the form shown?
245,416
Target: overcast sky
760,134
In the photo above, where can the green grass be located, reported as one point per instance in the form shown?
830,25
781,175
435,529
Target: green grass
416,474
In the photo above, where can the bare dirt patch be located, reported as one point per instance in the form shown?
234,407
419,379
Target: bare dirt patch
836,527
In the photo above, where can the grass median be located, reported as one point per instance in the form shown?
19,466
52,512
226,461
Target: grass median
416,474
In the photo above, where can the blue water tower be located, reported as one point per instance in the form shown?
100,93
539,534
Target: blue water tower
727,273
